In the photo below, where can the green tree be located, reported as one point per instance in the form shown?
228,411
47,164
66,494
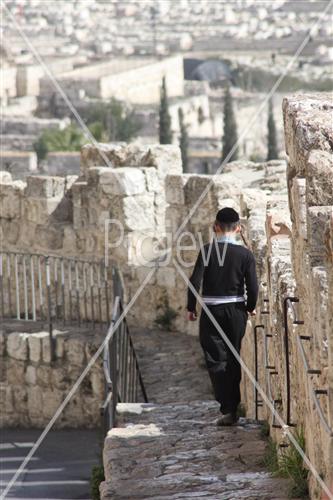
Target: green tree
165,133
229,128
272,149
183,140
69,139
111,121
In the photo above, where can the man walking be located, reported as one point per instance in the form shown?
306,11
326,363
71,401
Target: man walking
224,267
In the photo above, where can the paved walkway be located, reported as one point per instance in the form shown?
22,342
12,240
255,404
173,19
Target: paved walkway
171,448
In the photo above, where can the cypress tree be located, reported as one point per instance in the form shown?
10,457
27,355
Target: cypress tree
229,128
165,133
272,149
183,140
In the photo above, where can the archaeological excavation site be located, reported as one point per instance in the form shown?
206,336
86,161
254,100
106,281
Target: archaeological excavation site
93,306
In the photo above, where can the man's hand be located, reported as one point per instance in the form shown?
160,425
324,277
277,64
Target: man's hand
252,313
191,316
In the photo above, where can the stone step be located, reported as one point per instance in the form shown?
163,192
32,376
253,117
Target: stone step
175,451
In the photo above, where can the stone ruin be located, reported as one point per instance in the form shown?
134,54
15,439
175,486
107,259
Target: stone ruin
288,218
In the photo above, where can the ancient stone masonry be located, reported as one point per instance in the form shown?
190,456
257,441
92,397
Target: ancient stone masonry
32,388
292,238
170,448
130,212
131,207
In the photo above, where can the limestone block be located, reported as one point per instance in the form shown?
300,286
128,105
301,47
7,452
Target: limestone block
52,399
6,398
298,198
317,219
43,375
227,186
123,181
278,224
165,158
195,187
97,383
166,277
38,210
43,186
35,401
75,352
15,372
46,350
319,178
31,375
5,177
174,189
250,199
11,230
50,237
17,345
138,212
152,181
11,199
20,396
35,346
307,126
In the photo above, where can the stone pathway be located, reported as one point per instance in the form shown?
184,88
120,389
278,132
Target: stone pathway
171,448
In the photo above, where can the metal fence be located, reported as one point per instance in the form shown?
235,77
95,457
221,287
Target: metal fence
61,291
123,380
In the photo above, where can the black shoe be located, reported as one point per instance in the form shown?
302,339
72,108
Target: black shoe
227,419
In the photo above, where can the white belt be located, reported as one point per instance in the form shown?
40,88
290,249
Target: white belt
223,299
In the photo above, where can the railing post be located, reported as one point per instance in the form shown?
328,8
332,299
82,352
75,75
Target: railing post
256,402
49,305
286,302
2,289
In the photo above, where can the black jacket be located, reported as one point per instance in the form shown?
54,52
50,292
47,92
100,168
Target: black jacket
224,269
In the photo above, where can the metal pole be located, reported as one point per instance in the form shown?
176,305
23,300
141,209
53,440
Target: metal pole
70,289
17,287
92,295
49,312
286,350
9,284
56,286
33,295
62,271
25,288
77,286
256,368
40,286
1,289
85,291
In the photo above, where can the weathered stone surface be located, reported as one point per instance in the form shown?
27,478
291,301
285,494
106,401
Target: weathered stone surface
42,186
166,159
17,346
32,388
123,181
319,178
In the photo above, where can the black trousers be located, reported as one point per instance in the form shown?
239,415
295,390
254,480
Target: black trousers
223,368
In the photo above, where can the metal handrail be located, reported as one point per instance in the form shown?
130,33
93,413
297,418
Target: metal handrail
286,303
121,368
52,288
257,403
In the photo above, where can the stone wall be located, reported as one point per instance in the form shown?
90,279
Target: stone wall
32,387
292,239
147,193
136,81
